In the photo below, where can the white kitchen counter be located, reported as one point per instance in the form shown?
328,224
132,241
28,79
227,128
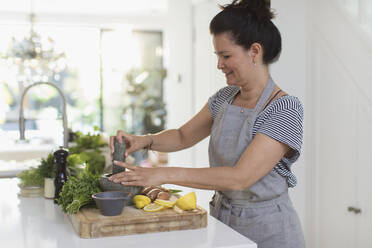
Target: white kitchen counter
39,223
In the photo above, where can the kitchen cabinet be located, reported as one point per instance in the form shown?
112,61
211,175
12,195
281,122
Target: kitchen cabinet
342,119
363,174
39,223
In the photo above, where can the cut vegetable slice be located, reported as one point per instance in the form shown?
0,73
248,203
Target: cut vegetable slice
153,207
165,203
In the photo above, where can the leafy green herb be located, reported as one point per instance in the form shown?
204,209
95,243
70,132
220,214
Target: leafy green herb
74,165
95,160
47,167
174,191
87,150
87,141
35,176
74,160
31,177
77,192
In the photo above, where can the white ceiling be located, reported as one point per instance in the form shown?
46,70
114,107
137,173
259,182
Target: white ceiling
101,7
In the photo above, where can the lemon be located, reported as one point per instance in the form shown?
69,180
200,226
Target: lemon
141,201
153,207
187,202
165,203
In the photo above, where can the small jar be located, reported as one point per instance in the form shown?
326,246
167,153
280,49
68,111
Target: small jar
49,189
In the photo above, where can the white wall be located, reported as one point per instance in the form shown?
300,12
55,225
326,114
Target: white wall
207,79
177,60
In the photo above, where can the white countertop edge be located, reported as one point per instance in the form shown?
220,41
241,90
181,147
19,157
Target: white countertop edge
38,222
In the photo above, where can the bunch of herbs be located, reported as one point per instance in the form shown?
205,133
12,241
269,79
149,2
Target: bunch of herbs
88,149
47,167
35,176
75,165
77,192
31,177
89,141
95,161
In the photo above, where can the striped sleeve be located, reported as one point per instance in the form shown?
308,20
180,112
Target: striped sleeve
282,121
216,101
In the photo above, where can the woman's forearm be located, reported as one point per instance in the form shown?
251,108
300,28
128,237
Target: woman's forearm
167,141
218,178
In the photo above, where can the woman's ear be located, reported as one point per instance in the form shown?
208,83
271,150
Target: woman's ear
255,51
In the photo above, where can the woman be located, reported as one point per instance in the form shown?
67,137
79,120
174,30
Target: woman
255,133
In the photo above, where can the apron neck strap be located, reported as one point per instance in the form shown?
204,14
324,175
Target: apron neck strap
269,88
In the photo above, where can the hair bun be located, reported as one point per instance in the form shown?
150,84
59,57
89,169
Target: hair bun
259,8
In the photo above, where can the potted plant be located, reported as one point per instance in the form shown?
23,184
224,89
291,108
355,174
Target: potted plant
91,149
31,183
47,170
75,165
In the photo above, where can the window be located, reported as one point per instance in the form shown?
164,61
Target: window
133,76
79,81
122,89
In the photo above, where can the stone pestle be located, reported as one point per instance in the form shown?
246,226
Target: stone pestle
106,184
119,155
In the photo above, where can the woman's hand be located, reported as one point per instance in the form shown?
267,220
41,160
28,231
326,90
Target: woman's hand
138,176
132,142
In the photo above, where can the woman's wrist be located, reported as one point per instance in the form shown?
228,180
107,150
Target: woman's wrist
150,142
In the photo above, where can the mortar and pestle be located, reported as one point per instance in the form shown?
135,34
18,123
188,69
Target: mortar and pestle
107,185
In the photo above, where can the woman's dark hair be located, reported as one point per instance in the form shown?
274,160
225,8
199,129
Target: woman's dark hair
249,21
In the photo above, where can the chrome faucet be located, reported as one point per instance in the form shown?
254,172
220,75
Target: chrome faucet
64,116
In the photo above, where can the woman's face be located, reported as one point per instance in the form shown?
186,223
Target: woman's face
233,60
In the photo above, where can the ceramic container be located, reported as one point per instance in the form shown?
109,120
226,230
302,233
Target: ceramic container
31,191
111,203
49,189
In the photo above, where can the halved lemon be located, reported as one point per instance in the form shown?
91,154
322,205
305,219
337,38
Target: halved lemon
187,202
165,203
141,201
153,207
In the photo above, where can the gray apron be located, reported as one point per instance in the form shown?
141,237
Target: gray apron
263,213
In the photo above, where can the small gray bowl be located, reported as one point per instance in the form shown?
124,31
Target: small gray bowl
111,203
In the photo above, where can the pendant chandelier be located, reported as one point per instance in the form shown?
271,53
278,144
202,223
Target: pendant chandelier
35,58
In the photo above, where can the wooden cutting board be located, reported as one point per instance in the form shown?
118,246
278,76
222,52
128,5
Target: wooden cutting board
89,223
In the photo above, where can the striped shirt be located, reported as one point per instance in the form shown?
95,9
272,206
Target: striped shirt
280,120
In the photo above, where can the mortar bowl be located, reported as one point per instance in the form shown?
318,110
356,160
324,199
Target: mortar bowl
107,185
111,203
